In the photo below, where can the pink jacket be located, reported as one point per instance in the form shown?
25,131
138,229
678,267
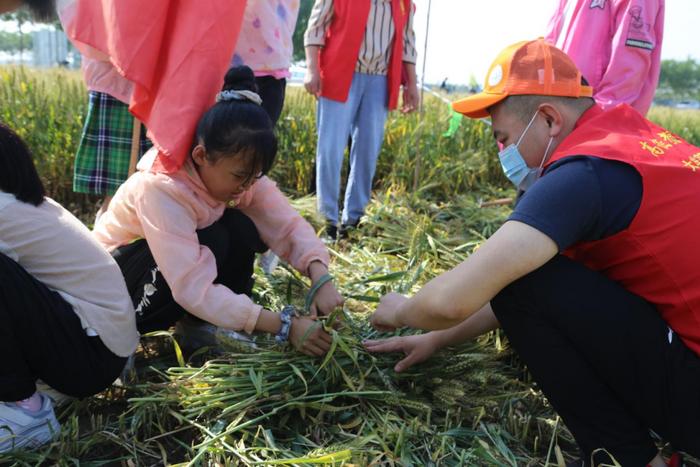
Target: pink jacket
616,44
168,209
98,72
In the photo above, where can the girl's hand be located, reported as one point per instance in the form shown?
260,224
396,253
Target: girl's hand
326,300
308,337
416,348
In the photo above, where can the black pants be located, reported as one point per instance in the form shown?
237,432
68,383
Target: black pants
233,240
272,92
606,361
41,337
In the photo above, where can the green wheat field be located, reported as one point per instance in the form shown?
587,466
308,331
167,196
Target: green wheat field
472,405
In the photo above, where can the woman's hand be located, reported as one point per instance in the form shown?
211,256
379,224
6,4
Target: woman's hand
308,337
416,348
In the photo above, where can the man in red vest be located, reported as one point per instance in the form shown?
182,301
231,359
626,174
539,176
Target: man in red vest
595,277
356,51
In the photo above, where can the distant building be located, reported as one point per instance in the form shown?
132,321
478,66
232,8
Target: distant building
50,48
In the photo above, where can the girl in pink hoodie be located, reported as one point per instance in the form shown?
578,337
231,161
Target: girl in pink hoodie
186,241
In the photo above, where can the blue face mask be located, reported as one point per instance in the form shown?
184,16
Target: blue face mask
515,167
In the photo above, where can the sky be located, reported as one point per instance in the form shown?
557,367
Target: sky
464,36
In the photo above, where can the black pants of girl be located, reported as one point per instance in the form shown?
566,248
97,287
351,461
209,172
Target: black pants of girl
41,337
606,361
233,240
272,91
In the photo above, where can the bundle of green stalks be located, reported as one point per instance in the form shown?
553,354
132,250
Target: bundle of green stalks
280,406
270,405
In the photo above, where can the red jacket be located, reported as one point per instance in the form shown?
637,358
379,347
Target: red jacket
658,256
344,37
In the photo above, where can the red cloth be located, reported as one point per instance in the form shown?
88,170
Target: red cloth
176,53
344,37
657,256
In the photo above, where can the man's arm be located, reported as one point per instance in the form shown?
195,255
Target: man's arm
477,324
513,251
421,347
314,39
410,96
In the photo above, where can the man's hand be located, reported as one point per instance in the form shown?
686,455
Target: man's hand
416,348
385,317
410,98
312,81
308,337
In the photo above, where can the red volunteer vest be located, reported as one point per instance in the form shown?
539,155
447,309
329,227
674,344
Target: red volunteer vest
658,256
344,37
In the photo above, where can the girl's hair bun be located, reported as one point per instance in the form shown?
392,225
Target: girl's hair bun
240,78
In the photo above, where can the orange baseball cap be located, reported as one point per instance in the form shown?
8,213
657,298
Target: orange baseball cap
529,67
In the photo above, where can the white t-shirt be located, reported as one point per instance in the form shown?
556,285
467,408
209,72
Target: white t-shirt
59,251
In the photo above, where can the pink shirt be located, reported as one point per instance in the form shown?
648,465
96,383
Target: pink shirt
98,72
616,44
168,209
265,43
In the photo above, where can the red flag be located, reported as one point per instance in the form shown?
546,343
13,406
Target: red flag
176,53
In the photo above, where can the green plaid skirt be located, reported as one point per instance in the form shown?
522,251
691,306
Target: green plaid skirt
102,161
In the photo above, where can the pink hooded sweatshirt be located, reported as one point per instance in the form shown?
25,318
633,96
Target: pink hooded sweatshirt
167,210
616,44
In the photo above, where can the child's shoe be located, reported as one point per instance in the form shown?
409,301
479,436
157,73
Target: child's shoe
22,428
193,334
330,235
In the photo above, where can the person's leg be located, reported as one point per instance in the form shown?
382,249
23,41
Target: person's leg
605,360
272,91
153,301
333,120
42,338
233,240
236,242
367,138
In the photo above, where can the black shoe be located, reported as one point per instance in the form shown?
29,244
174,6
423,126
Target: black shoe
345,229
331,231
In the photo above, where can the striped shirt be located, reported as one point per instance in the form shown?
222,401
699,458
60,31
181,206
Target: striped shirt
375,51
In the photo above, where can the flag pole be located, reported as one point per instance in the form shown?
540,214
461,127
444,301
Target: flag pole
416,173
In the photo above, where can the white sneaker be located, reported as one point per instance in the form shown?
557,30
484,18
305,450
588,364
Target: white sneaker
21,428
194,333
